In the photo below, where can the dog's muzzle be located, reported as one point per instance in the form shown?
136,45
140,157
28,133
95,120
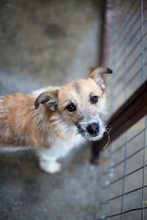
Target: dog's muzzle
93,129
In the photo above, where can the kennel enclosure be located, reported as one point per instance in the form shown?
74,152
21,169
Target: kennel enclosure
123,187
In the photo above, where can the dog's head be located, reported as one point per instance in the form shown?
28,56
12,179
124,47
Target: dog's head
81,103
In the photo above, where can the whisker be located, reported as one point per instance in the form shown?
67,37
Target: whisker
108,132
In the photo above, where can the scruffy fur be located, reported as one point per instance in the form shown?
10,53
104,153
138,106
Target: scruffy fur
42,120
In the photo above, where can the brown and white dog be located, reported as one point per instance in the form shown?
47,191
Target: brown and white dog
61,118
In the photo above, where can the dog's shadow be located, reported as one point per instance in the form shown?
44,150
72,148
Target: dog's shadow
76,159
23,166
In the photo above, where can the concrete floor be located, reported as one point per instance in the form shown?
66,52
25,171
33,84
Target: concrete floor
28,193
43,43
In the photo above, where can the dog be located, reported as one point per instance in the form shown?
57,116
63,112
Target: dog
53,120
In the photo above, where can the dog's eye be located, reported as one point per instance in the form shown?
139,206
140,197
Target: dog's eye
71,108
94,99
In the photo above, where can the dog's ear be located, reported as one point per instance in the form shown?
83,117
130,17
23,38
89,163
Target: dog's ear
48,98
96,75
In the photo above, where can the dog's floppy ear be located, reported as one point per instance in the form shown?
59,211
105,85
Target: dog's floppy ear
48,98
96,75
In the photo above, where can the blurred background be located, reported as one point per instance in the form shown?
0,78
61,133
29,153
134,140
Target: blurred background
48,42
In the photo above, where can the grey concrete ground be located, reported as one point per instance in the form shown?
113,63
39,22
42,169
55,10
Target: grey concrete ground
26,192
46,42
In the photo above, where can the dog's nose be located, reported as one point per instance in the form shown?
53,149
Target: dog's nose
93,128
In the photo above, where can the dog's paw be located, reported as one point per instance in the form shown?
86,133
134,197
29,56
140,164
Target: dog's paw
54,167
50,167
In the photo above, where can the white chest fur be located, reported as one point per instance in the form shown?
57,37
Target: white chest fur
61,147
58,149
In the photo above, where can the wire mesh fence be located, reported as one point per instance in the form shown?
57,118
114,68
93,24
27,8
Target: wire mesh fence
123,188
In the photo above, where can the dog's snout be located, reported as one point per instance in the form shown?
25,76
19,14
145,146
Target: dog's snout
93,128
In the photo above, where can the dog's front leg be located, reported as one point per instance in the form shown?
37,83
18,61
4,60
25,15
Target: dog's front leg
49,166
48,162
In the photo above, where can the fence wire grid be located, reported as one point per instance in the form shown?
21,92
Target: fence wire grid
123,187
